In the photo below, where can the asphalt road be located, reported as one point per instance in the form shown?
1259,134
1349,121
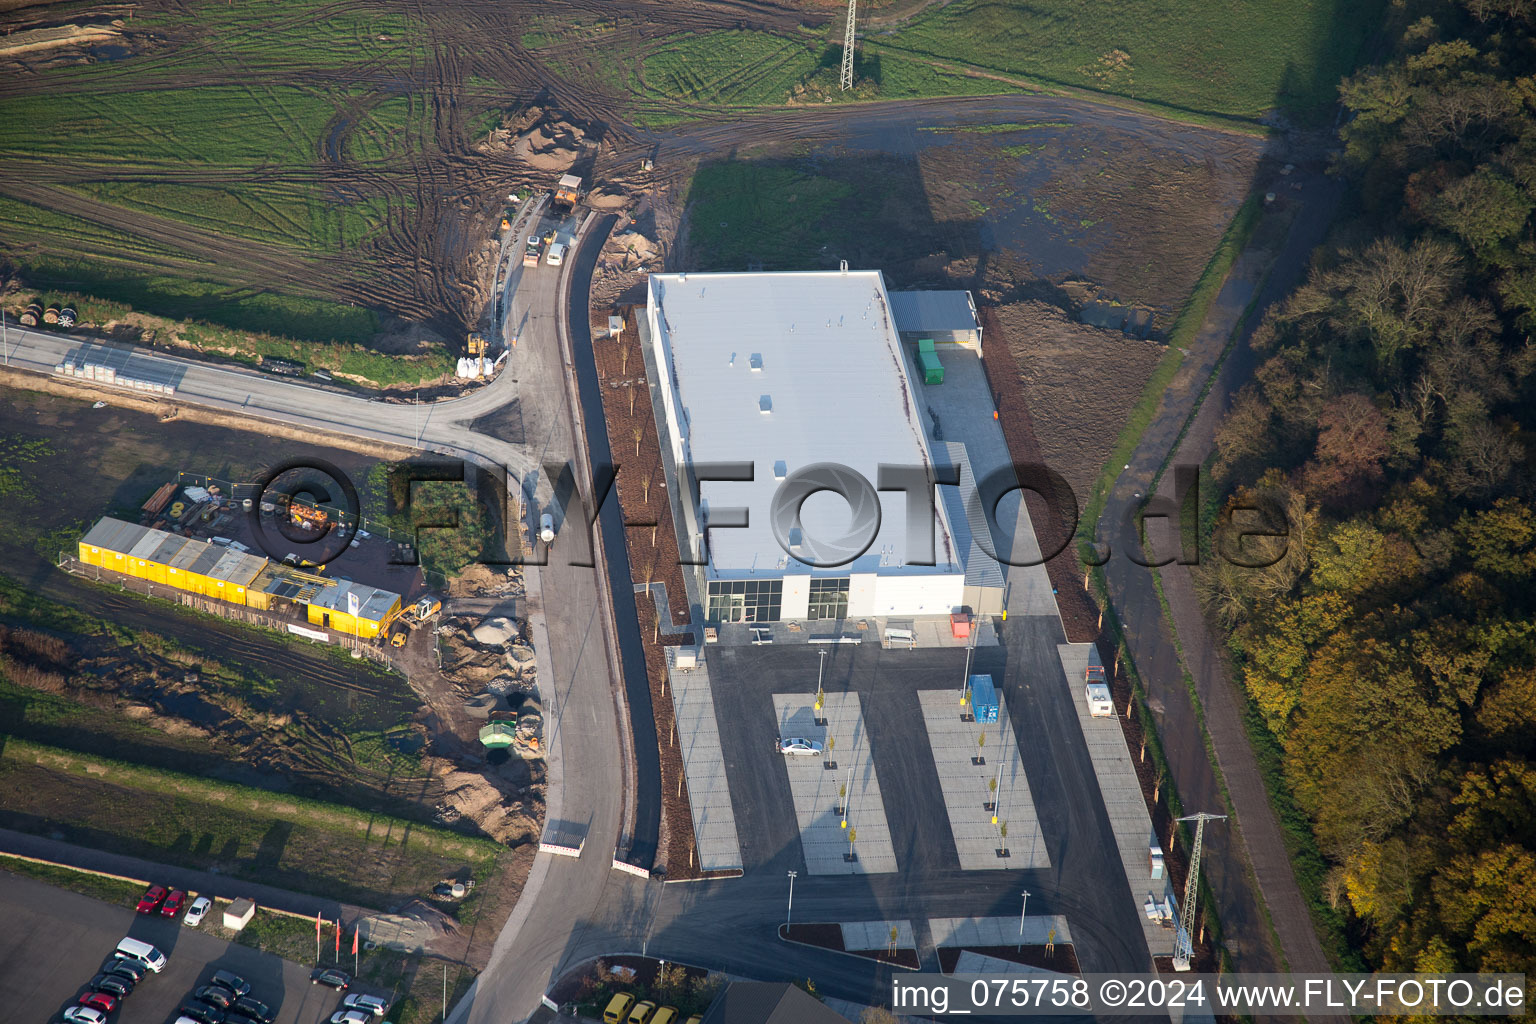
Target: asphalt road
638,847
54,941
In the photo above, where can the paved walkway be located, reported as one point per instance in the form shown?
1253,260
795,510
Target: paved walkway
877,934
999,931
698,733
962,409
823,839
1124,803
967,786
991,966
1248,848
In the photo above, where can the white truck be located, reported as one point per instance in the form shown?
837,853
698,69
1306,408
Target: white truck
547,528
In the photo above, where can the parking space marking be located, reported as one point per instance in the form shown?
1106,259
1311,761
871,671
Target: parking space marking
1123,802
815,789
968,787
698,733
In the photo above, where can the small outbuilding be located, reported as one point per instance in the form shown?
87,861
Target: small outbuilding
239,913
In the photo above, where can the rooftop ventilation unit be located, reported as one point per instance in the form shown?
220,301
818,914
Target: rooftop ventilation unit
765,405
780,470
757,362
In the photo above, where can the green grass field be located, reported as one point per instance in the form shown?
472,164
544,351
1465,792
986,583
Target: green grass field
1233,58
108,890
279,839
736,68
214,125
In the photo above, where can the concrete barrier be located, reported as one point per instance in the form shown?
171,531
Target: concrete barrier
631,869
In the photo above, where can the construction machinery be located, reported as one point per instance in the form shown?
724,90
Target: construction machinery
315,518
532,251
475,344
568,191
425,608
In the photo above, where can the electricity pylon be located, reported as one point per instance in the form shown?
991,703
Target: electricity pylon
1184,942
847,81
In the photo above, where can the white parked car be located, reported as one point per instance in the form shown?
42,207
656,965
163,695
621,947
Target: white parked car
85,1015
197,911
351,1017
372,1004
797,745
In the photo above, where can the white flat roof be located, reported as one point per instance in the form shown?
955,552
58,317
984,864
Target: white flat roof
785,370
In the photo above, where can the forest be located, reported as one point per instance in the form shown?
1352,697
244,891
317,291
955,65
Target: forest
1388,646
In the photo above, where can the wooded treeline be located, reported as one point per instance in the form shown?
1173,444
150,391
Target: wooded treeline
1391,648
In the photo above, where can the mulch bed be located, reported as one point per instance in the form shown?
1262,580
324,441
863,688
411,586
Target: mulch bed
1063,957
830,936
1079,614
653,557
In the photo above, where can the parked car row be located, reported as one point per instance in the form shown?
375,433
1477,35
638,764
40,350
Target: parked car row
356,1007
622,1009
120,973
166,902
224,999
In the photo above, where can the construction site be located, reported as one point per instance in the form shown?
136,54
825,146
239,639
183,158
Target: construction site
389,340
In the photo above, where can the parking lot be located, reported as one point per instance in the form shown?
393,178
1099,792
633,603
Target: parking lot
54,942
894,736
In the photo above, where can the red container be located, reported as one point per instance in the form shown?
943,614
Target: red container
960,625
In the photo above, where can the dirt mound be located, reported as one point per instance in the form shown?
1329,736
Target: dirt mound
482,704
495,632
478,581
549,143
507,812
602,199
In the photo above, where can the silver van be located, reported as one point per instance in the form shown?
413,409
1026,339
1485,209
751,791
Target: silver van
143,952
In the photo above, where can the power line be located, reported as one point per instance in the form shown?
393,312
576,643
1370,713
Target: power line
847,77
1184,942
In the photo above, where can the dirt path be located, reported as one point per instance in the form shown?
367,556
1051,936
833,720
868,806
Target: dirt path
1245,858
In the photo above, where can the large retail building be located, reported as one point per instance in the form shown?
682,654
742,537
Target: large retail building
800,380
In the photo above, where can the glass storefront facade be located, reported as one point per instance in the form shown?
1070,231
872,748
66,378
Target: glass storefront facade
745,600
829,599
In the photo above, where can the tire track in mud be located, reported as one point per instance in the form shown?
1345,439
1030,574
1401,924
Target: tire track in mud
439,197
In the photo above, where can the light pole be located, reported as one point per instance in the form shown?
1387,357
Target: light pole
849,798
965,680
790,910
820,667
1021,920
